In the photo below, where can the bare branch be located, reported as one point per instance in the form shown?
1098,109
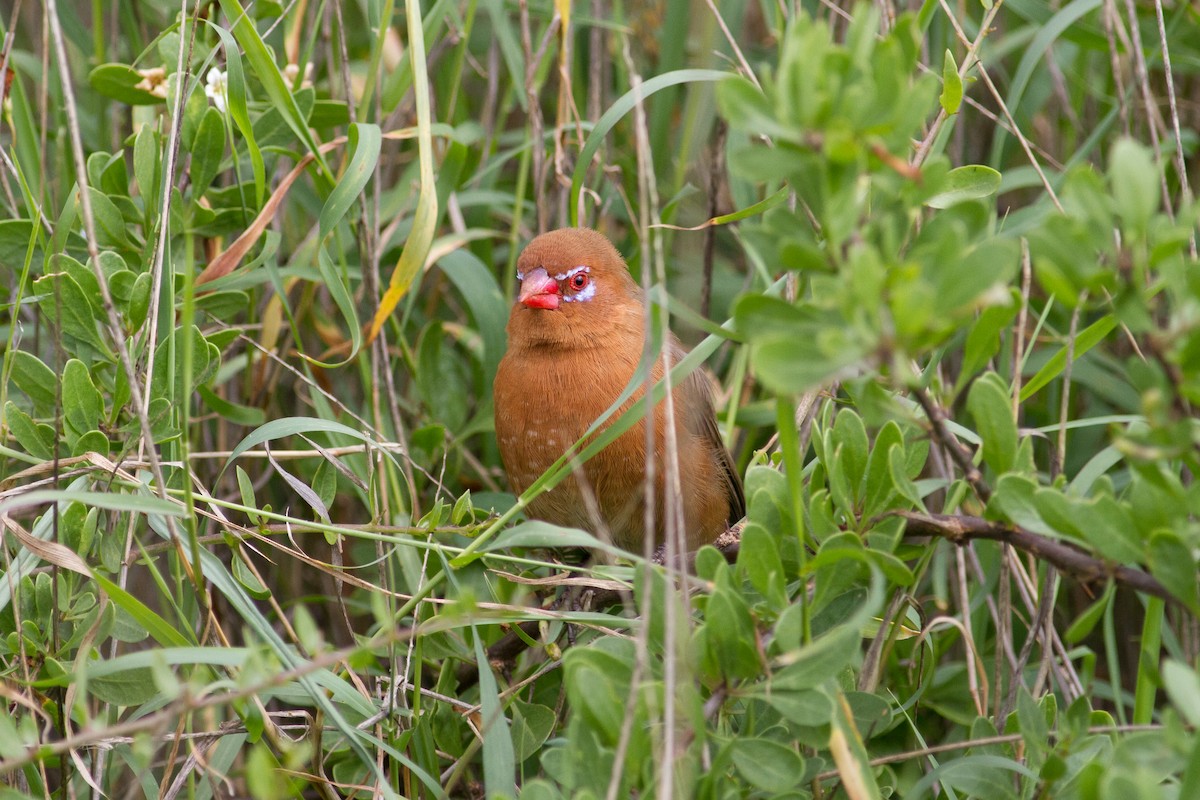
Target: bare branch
1066,557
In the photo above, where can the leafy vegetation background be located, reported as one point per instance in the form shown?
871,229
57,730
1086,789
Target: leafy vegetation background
257,261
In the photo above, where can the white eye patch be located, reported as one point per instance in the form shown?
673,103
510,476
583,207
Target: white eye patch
572,272
586,293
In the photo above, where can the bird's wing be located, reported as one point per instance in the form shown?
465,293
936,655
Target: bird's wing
704,424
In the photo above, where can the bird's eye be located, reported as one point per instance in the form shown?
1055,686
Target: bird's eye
579,281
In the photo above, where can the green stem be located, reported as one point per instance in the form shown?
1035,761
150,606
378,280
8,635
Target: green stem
789,445
1143,698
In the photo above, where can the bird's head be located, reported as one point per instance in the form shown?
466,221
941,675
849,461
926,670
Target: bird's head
575,289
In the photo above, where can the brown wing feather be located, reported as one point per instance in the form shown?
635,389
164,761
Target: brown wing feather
703,423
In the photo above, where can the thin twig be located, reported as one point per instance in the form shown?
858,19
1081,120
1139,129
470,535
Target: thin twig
1180,164
1037,631
1060,462
1066,557
957,450
1143,79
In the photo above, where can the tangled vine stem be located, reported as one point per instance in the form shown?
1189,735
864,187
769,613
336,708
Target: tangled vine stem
1066,557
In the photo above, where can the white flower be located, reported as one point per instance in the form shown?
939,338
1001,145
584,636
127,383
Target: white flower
217,87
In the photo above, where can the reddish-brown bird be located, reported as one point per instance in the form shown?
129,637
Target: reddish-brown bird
575,337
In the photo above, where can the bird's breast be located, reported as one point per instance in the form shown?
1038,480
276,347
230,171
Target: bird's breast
545,401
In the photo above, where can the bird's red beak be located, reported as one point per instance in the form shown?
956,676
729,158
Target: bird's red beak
539,290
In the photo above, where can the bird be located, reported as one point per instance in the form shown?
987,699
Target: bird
576,333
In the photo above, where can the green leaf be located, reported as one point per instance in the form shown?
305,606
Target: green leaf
121,82
806,707
871,712
879,488
35,379
249,581
146,167
746,108
1034,729
796,347
35,438
113,178
91,441
366,141
898,467
110,225
811,665
462,511
1083,625
1134,182
168,375
125,627
952,87
787,369
839,483
536,533
236,86
329,114
425,215
767,764
74,532
139,301
82,275
83,406
892,567
728,635
847,747
1088,338
113,501
532,726
991,407
12,747
1172,562
1013,501
78,319
131,687
769,498
437,378
971,182
1102,522
486,302
983,342
290,426
207,151
248,416
1183,687
597,687
758,557
499,758
850,435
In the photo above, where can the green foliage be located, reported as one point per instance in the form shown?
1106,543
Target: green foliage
960,367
